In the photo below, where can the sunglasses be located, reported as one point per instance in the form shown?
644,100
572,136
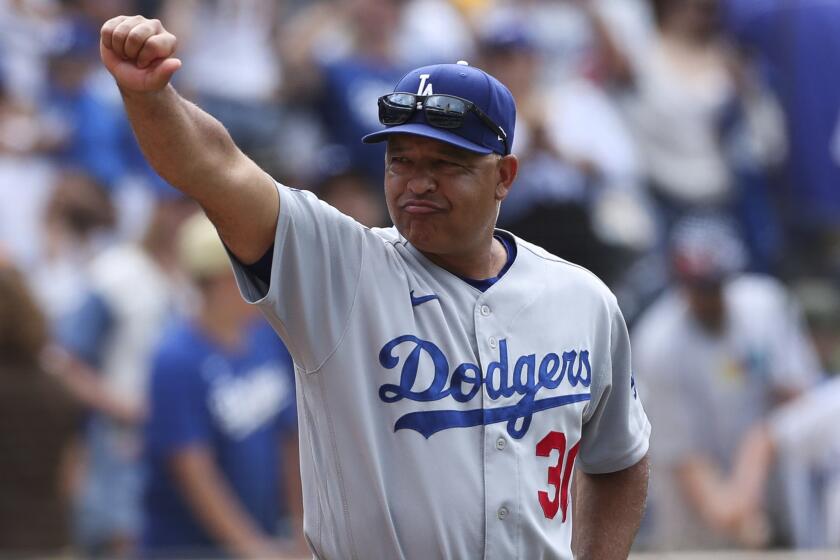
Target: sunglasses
441,111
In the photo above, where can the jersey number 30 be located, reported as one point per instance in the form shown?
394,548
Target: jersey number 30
559,475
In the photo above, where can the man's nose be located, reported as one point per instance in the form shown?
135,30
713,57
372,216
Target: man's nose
422,183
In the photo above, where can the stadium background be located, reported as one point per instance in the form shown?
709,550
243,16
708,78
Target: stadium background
632,115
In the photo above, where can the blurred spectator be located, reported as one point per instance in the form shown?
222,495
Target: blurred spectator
38,424
83,111
802,435
821,305
98,12
575,38
221,441
577,150
443,37
342,55
23,138
26,27
232,66
90,130
74,118
131,291
805,432
796,42
689,99
713,356
352,194
77,223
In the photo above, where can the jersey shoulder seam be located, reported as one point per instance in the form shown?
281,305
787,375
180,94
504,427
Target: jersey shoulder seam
349,318
329,355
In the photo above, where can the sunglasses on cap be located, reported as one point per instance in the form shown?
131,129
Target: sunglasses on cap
440,110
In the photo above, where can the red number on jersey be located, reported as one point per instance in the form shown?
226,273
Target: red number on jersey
559,475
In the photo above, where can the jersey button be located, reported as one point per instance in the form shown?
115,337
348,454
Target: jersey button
493,342
485,310
502,513
501,443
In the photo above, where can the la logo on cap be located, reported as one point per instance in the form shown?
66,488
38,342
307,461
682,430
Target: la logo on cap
425,88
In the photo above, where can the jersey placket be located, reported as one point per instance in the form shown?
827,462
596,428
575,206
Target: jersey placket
501,468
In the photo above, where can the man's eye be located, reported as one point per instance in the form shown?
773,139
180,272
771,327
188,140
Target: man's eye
399,164
450,166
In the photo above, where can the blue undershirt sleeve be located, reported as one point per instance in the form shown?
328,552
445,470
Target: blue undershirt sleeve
260,270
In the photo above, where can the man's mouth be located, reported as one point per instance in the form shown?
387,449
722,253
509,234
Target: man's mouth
421,207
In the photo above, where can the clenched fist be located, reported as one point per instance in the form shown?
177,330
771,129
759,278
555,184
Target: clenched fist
138,53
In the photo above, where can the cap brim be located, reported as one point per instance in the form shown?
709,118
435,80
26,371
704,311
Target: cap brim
420,129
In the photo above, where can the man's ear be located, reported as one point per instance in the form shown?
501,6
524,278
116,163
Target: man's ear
506,170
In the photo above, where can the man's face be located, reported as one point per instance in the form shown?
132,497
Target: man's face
706,302
443,199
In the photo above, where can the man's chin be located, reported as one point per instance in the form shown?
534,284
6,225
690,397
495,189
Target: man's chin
420,237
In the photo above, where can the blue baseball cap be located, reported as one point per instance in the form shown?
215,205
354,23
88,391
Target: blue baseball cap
467,82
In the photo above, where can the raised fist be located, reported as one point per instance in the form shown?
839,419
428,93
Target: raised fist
138,53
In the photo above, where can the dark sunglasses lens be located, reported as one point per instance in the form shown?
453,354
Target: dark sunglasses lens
396,108
445,112
390,115
446,104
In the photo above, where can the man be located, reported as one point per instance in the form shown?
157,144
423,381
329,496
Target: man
449,375
718,352
221,445
804,432
109,340
39,425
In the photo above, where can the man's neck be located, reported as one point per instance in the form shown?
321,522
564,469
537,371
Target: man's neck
484,262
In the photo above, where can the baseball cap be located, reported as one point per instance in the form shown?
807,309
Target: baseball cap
706,247
200,251
467,82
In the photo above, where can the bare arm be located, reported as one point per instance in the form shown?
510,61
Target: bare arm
607,512
708,492
731,504
215,506
87,387
188,148
612,60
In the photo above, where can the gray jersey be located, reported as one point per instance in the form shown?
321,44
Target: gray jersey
437,421
704,392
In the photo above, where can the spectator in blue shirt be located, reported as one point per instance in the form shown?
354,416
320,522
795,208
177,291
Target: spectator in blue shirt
221,445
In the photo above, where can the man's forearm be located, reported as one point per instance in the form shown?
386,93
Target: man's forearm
608,509
193,152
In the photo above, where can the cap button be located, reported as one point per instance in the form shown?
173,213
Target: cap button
463,63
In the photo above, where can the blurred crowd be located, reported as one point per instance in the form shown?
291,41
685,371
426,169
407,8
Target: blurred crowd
686,151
